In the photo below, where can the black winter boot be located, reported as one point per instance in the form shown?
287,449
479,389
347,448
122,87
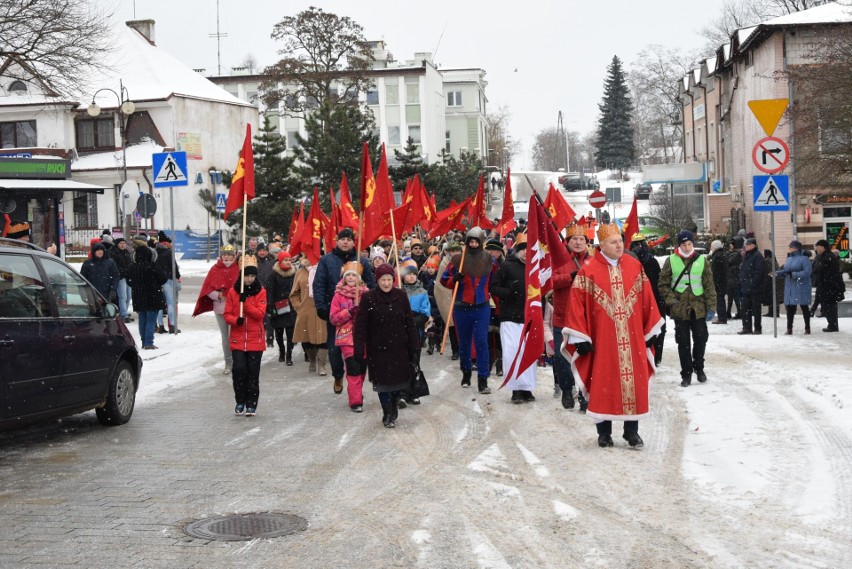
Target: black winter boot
386,413
466,378
289,357
499,366
482,383
282,355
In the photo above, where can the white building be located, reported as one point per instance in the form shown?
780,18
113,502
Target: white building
440,109
173,108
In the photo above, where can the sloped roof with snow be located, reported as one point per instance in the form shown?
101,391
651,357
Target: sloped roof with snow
148,73
138,156
831,13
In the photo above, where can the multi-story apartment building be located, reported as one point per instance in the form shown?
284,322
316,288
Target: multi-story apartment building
442,110
721,131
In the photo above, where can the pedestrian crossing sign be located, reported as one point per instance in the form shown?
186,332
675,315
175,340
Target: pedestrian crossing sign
169,169
771,193
220,202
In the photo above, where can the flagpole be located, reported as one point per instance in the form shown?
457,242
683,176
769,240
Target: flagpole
398,260
243,256
358,252
452,304
547,213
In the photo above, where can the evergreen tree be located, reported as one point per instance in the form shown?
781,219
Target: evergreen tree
454,178
276,188
410,163
615,134
335,138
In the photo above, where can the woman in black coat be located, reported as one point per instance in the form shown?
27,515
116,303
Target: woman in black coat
283,317
385,332
830,288
146,280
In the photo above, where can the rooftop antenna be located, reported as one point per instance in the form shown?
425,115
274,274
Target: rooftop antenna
218,35
437,45
134,9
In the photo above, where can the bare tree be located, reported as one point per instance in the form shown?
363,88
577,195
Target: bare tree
673,212
736,14
548,150
325,59
249,63
653,82
822,111
501,148
53,44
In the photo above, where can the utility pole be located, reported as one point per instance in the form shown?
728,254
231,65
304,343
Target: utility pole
218,35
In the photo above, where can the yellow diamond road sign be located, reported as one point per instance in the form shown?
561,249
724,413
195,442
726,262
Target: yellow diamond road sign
768,112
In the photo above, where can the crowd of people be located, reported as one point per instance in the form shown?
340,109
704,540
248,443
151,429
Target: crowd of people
365,317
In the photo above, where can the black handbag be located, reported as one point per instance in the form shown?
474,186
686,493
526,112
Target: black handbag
419,387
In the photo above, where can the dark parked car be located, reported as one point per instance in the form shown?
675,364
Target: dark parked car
573,182
643,191
63,348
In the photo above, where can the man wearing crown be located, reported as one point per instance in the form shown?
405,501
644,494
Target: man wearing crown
610,328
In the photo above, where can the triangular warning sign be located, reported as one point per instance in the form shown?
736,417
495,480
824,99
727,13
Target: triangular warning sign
768,112
220,200
170,171
771,194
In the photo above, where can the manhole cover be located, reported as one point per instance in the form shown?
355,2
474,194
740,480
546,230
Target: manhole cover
243,527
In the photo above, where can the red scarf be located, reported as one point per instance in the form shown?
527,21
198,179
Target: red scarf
219,277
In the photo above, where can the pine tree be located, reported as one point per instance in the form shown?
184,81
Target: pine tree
276,188
615,134
334,144
410,163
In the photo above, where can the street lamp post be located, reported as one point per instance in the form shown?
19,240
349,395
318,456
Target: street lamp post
126,107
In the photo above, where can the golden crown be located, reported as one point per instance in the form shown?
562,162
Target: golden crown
575,230
607,230
249,261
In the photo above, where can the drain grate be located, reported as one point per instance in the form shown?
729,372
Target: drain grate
243,527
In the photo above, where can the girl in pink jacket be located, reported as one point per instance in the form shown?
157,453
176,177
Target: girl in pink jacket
342,316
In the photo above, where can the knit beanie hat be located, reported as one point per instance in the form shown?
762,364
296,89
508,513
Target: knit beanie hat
796,244
684,236
382,270
17,229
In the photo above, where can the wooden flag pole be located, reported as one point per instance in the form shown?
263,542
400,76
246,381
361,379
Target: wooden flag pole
358,252
243,256
396,248
452,304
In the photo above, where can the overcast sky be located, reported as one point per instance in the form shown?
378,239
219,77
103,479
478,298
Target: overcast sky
560,49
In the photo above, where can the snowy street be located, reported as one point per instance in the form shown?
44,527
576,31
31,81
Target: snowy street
751,469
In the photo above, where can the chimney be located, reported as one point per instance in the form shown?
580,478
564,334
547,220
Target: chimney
144,27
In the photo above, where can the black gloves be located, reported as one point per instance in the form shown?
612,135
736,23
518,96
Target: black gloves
244,295
353,311
584,348
650,342
353,366
323,313
240,321
573,276
458,277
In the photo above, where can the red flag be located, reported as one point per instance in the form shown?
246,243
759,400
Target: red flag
544,252
507,220
348,216
477,208
384,188
333,224
560,210
655,242
294,223
421,211
296,238
242,184
312,231
371,210
631,224
448,219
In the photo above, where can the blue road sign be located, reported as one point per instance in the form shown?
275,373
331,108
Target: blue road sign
771,193
170,169
220,202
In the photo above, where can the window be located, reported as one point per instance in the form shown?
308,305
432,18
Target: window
95,133
454,99
291,139
291,102
74,297
834,141
372,97
85,210
393,135
18,87
22,293
18,134
447,141
412,93
392,94
311,102
414,133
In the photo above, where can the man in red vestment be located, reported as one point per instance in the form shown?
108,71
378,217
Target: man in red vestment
609,334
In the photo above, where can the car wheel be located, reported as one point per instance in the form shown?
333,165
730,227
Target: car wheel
121,397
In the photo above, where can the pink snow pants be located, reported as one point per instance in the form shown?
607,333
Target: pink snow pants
354,383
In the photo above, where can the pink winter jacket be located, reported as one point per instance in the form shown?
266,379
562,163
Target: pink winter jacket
339,315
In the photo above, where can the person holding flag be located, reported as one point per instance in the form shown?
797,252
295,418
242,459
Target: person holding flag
471,272
611,326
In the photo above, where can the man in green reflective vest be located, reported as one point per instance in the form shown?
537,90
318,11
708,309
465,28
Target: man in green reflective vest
686,284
